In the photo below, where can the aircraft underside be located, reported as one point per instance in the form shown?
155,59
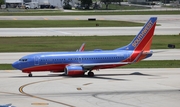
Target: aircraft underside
68,69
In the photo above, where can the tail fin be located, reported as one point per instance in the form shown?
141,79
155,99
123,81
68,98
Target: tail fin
143,40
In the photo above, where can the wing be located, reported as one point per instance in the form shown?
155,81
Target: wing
101,64
90,66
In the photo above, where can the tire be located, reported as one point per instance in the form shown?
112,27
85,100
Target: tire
91,74
30,75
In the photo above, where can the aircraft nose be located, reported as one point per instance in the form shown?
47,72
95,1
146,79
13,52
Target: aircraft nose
16,65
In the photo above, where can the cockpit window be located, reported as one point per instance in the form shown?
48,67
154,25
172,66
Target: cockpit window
23,60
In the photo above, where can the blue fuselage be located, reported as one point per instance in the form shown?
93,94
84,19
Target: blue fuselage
56,61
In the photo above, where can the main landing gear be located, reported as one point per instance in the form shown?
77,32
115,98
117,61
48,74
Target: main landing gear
91,74
30,75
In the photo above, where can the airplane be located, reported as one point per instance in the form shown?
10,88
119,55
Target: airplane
78,63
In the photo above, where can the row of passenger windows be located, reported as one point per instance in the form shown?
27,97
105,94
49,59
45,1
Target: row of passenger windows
23,60
94,58
52,60
102,58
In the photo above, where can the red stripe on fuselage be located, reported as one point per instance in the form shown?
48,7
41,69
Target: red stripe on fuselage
50,67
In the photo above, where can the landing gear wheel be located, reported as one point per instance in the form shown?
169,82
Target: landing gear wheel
30,75
91,74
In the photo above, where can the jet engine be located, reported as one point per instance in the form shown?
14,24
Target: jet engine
74,70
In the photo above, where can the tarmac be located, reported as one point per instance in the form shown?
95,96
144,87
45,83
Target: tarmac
84,31
111,87
169,25
148,87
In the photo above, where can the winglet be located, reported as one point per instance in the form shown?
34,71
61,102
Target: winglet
81,48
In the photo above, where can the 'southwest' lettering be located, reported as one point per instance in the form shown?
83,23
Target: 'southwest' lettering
142,34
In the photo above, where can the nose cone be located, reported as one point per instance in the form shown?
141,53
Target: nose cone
16,65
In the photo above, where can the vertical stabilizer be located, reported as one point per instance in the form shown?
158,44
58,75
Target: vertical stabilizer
143,40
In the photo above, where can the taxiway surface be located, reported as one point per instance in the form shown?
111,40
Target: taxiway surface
164,20
84,31
110,87
169,25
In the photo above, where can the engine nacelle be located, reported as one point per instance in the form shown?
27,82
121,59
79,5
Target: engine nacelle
74,70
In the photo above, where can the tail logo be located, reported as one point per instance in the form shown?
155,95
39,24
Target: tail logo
142,34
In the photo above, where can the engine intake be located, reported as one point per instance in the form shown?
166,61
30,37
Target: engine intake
74,70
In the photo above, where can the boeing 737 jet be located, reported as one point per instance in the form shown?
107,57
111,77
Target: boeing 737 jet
79,62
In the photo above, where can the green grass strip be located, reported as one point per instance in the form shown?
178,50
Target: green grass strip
155,64
71,43
141,64
6,67
59,13
64,23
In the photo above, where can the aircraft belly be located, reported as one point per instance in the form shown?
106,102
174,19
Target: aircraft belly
108,66
48,67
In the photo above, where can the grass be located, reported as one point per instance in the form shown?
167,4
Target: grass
71,43
6,67
155,64
142,64
64,23
59,13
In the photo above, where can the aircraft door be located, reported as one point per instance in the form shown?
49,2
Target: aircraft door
36,60
79,59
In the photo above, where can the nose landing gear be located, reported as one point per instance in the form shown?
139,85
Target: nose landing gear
30,75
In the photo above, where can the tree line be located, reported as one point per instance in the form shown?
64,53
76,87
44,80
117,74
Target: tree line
87,3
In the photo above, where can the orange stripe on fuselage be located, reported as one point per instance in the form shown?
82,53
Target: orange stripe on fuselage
132,57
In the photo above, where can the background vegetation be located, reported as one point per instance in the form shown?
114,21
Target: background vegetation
59,13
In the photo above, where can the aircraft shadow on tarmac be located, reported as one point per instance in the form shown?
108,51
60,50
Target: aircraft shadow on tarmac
96,93
101,76
134,73
97,76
